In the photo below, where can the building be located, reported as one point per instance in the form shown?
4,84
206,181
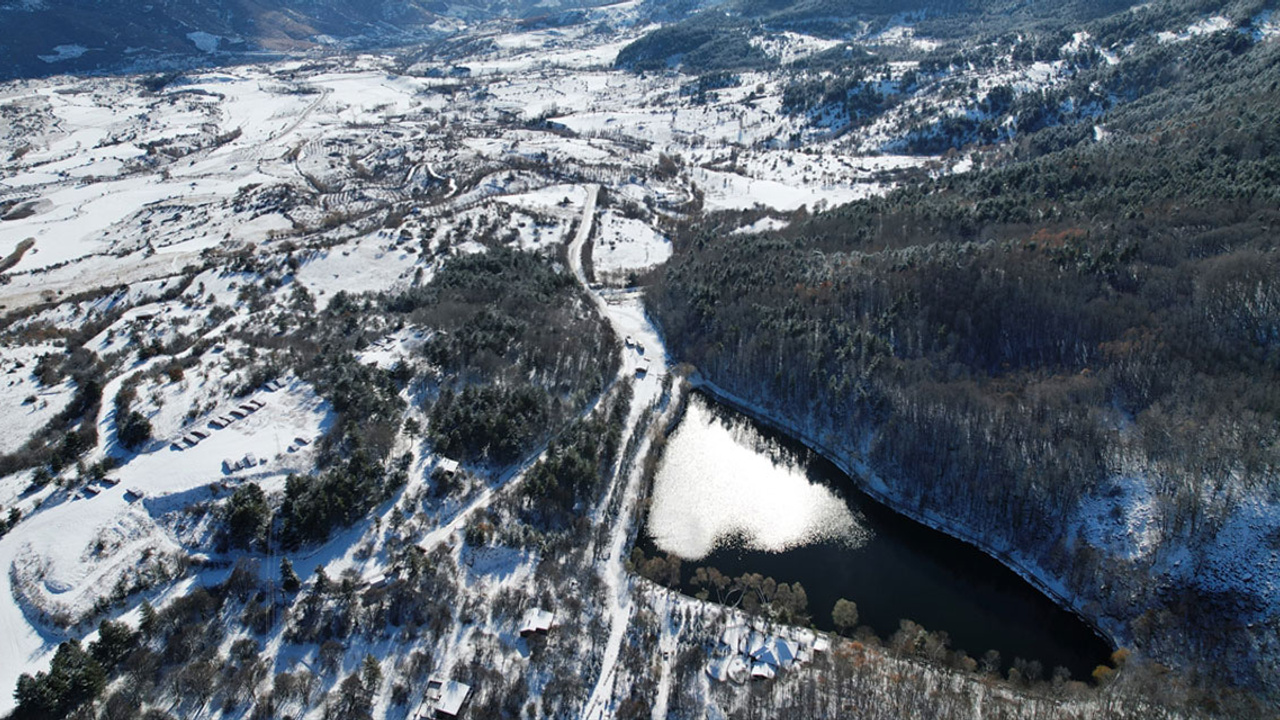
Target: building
444,699
822,644
776,653
536,621
382,580
731,668
752,650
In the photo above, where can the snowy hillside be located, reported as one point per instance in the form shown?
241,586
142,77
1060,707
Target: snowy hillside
330,373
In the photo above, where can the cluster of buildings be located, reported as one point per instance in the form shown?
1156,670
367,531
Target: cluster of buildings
747,652
445,698
193,437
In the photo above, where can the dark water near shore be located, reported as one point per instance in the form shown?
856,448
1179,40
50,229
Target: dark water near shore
726,497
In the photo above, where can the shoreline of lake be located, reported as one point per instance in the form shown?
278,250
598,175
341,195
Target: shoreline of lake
932,576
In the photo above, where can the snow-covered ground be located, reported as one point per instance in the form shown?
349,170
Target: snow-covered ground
1204,26
158,218
27,404
625,244
76,549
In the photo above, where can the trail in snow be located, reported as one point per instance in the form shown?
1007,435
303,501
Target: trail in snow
618,594
575,247
668,646
626,314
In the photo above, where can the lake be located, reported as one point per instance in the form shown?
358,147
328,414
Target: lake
740,497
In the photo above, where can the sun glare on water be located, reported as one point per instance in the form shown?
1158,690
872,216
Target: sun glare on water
723,484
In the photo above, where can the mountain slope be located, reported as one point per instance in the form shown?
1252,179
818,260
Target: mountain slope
1070,355
44,37
720,38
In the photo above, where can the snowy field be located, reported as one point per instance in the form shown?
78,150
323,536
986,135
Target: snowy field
627,244
154,217
175,227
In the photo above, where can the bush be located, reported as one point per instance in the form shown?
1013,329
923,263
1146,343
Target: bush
134,430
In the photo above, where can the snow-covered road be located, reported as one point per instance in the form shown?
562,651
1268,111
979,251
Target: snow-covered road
645,360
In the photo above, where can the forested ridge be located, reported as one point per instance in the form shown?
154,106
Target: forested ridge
1084,324
719,37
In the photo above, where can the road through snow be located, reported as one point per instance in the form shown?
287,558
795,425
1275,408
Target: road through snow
645,360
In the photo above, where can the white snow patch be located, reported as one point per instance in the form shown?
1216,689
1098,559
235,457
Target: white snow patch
1119,518
787,47
763,225
27,405
64,52
1205,26
1244,556
1265,25
367,265
904,35
207,42
564,200
1079,41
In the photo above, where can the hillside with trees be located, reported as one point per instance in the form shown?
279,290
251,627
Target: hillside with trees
338,374
1083,331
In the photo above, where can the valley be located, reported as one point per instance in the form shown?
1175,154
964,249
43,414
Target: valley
340,381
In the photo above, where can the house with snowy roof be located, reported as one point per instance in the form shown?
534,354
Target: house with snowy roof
444,699
536,621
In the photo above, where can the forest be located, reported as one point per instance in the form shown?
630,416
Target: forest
719,38
1003,346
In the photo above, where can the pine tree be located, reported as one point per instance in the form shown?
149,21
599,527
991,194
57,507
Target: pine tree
288,578
115,640
149,619
371,674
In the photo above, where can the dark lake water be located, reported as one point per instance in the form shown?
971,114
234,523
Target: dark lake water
740,497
